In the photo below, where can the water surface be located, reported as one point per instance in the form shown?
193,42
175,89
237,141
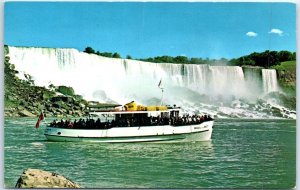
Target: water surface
241,154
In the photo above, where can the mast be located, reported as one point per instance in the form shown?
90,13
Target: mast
162,91
162,95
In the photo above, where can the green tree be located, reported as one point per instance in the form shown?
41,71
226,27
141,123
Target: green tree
181,59
234,62
294,56
66,90
163,59
196,61
128,57
106,54
285,56
150,59
116,55
89,50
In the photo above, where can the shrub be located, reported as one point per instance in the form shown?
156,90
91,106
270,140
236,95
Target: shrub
65,90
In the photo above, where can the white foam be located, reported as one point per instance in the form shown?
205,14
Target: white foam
122,80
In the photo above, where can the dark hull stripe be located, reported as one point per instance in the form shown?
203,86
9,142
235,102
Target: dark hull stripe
160,140
120,140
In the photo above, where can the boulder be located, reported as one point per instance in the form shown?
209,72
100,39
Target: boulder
67,99
56,105
35,178
26,113
23,103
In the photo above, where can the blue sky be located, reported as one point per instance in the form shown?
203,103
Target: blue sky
207,30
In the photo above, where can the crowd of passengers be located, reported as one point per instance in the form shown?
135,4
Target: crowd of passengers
130,122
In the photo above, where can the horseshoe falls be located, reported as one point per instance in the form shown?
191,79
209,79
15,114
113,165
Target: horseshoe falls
223,91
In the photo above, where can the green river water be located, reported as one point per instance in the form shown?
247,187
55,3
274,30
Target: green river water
241,154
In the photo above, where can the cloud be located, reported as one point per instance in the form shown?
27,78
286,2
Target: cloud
276,31
251,34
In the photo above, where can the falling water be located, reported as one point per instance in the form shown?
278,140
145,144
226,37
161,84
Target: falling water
123,80
253,80
197,77
269,80
227,80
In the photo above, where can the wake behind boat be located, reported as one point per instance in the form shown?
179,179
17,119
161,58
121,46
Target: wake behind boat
133,123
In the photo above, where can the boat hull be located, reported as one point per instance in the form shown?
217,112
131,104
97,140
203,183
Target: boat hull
164,133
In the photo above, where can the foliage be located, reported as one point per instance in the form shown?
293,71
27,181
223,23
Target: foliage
116,55
265,59
286,72
167,59
65,90
23,96
51,87
10,103
286,66
195,60
181,59
48,94
104,54
6,50
29,79
78,97
89,50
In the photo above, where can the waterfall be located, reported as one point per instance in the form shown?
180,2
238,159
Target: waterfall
253,80
228,80
123,80
196,77
269,79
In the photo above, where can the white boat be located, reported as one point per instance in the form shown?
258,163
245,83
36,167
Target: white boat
135,125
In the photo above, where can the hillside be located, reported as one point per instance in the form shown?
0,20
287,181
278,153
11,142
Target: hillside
287,76
23,98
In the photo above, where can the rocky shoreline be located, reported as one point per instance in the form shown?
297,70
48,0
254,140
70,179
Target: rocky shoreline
23,99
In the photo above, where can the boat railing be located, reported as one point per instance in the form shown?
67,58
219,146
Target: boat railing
129,122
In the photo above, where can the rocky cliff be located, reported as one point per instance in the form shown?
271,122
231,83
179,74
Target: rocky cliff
286,72
23,98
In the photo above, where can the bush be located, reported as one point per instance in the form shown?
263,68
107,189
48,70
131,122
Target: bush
116,55
65,90
89,50
6,50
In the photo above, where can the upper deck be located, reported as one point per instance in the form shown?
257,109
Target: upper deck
130,108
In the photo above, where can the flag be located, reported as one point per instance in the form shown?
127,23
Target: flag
41,117
159,84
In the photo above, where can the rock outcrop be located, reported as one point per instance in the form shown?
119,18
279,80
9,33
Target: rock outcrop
287,77
25,113
23,99
35,178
